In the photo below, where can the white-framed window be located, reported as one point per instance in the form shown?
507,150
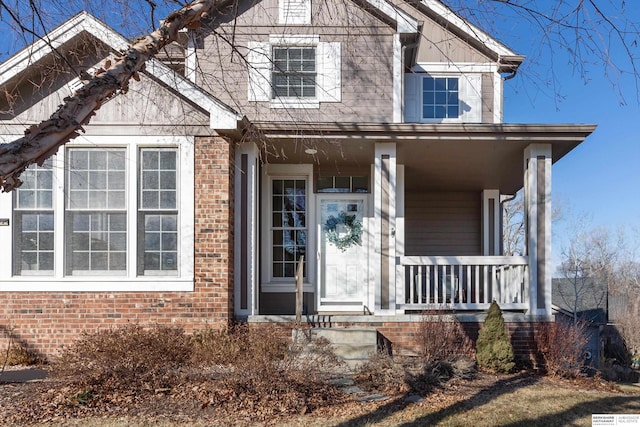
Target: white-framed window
104,214
443,98
96,211
294,71
33,251
288,230
440,97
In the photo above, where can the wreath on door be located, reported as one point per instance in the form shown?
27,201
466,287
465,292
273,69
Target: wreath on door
343,231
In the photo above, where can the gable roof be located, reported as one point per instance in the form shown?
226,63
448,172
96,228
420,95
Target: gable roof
405,23
480,39
221,116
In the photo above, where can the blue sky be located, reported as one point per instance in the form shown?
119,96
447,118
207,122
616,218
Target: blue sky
601,177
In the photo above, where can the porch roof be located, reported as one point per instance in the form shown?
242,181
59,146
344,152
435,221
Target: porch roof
452,157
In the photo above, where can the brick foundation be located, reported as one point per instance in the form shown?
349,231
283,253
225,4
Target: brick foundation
45,321
403,337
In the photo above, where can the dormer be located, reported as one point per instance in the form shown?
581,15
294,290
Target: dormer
455,71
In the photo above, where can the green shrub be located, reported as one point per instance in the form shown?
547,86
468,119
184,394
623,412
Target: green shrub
494,351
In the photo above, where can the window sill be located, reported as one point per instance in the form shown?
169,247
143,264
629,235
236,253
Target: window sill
458,120
294,103
90,284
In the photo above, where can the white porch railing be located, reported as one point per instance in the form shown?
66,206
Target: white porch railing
462,283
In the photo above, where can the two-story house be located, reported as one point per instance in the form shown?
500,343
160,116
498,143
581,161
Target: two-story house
367,137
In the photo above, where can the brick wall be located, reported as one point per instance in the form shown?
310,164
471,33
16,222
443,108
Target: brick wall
46,321
403,337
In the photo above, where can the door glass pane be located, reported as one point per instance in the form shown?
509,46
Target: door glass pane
288,225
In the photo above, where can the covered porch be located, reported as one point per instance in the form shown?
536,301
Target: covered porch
426,200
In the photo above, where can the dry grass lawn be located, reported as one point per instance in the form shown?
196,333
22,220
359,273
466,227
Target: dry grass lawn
488,400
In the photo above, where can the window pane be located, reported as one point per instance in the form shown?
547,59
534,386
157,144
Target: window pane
97,160
294,72
30,241
440,97
159,179
46,241
78,179
169,261
152,241
169,241
167,199
97,180
33,229
150,180
26,199
168,180
160,243
169,223
100,248
46,261
117,160
101,173
150,159
288,225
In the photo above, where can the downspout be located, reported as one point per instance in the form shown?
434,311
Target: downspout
413,45
510,76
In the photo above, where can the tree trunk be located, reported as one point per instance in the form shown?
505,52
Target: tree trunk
41,141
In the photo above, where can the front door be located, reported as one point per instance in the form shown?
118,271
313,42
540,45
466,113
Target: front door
342,252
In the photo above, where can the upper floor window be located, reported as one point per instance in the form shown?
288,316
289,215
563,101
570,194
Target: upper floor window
443,98
440,98
294,72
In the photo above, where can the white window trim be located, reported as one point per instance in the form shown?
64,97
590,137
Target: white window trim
278,171
469,87
328,71
457,67
458,119
284,41
129,282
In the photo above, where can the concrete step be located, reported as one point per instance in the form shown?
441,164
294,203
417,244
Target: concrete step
353,345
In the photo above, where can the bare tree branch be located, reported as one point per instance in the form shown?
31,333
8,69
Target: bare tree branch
43,140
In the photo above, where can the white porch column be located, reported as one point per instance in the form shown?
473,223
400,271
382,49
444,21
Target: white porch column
246,230
384,213
491,232
537,208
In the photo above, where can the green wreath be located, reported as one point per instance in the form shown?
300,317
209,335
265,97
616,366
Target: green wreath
353,235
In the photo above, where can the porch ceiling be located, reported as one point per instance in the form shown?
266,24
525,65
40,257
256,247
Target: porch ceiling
452,157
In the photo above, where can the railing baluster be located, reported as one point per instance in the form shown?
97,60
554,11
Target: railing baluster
463,282
420,270
436,284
